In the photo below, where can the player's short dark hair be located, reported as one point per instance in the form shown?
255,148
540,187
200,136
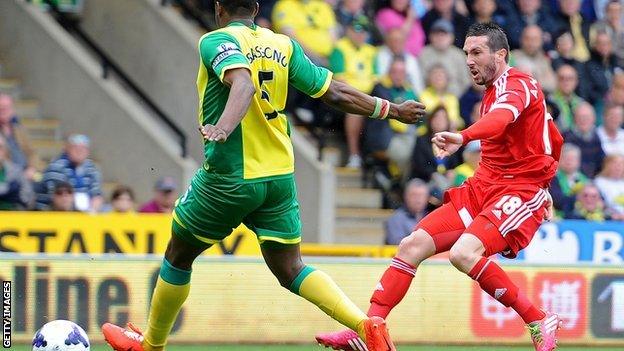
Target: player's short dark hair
497,39
239,7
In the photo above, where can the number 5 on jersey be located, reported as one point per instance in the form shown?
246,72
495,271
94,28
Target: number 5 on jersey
264,76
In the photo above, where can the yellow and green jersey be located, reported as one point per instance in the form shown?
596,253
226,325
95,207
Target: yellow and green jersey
313,21
260,147
354,65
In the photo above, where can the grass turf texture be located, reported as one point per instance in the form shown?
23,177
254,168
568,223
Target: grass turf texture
100,347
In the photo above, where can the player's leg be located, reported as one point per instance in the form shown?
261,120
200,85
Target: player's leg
172,288
314,285
435,233
470,255
278,227
204,215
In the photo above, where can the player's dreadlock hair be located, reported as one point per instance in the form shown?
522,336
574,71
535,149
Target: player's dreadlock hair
239,7
497,39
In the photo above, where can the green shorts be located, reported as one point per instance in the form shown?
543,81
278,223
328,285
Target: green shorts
211,208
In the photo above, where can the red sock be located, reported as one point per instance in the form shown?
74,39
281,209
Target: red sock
494,281
391,288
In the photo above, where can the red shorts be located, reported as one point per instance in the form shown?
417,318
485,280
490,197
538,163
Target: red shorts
503,217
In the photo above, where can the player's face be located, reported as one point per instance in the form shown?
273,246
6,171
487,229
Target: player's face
480,59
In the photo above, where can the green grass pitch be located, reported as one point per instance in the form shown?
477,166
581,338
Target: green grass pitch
100,347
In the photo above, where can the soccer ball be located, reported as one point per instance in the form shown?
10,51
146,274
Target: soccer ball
60,335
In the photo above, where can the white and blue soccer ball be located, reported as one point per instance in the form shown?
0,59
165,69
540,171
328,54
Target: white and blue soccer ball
60,335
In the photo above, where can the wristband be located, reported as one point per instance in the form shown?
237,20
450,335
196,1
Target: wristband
385,109
378,105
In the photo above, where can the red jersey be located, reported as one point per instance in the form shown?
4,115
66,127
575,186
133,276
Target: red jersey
528,149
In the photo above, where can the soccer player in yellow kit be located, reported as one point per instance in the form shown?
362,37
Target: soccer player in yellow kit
248,173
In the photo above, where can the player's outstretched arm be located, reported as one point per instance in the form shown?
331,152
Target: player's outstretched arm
490,125
345,98
242,91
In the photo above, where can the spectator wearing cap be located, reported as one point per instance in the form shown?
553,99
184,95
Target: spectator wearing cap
19,147
564,96
611,133
353,61
532,57
472,157
441,51
583,134
16,191
530,13
165,195
395,48
75,167
312,23
400,15
446,9
62,197
415,208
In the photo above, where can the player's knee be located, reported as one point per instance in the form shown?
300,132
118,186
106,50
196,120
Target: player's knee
415,247
462,259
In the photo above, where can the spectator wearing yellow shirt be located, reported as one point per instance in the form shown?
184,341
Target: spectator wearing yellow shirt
437,94
472,157
353,61
311,22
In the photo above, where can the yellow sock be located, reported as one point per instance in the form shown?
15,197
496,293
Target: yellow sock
172,289
318,288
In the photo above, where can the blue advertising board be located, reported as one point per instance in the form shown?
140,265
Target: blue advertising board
576,241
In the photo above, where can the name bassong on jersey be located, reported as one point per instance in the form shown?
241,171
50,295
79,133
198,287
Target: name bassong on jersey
268,53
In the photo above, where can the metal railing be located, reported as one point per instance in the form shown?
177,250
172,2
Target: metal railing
108,64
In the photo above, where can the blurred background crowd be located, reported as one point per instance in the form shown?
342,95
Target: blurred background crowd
399,50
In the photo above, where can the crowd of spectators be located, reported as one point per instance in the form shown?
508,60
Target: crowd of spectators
71,181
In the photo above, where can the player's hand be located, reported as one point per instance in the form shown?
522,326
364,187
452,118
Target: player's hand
446,143
213,133
410,111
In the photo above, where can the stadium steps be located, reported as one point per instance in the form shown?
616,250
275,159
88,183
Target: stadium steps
28,108
358,198
48,129
45,133
10,86
359,217
47,149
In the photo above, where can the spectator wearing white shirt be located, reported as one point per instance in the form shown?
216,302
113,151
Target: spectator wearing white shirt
395,46
610,182
611,133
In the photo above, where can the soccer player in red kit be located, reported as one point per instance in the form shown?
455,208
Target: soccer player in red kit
500,208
